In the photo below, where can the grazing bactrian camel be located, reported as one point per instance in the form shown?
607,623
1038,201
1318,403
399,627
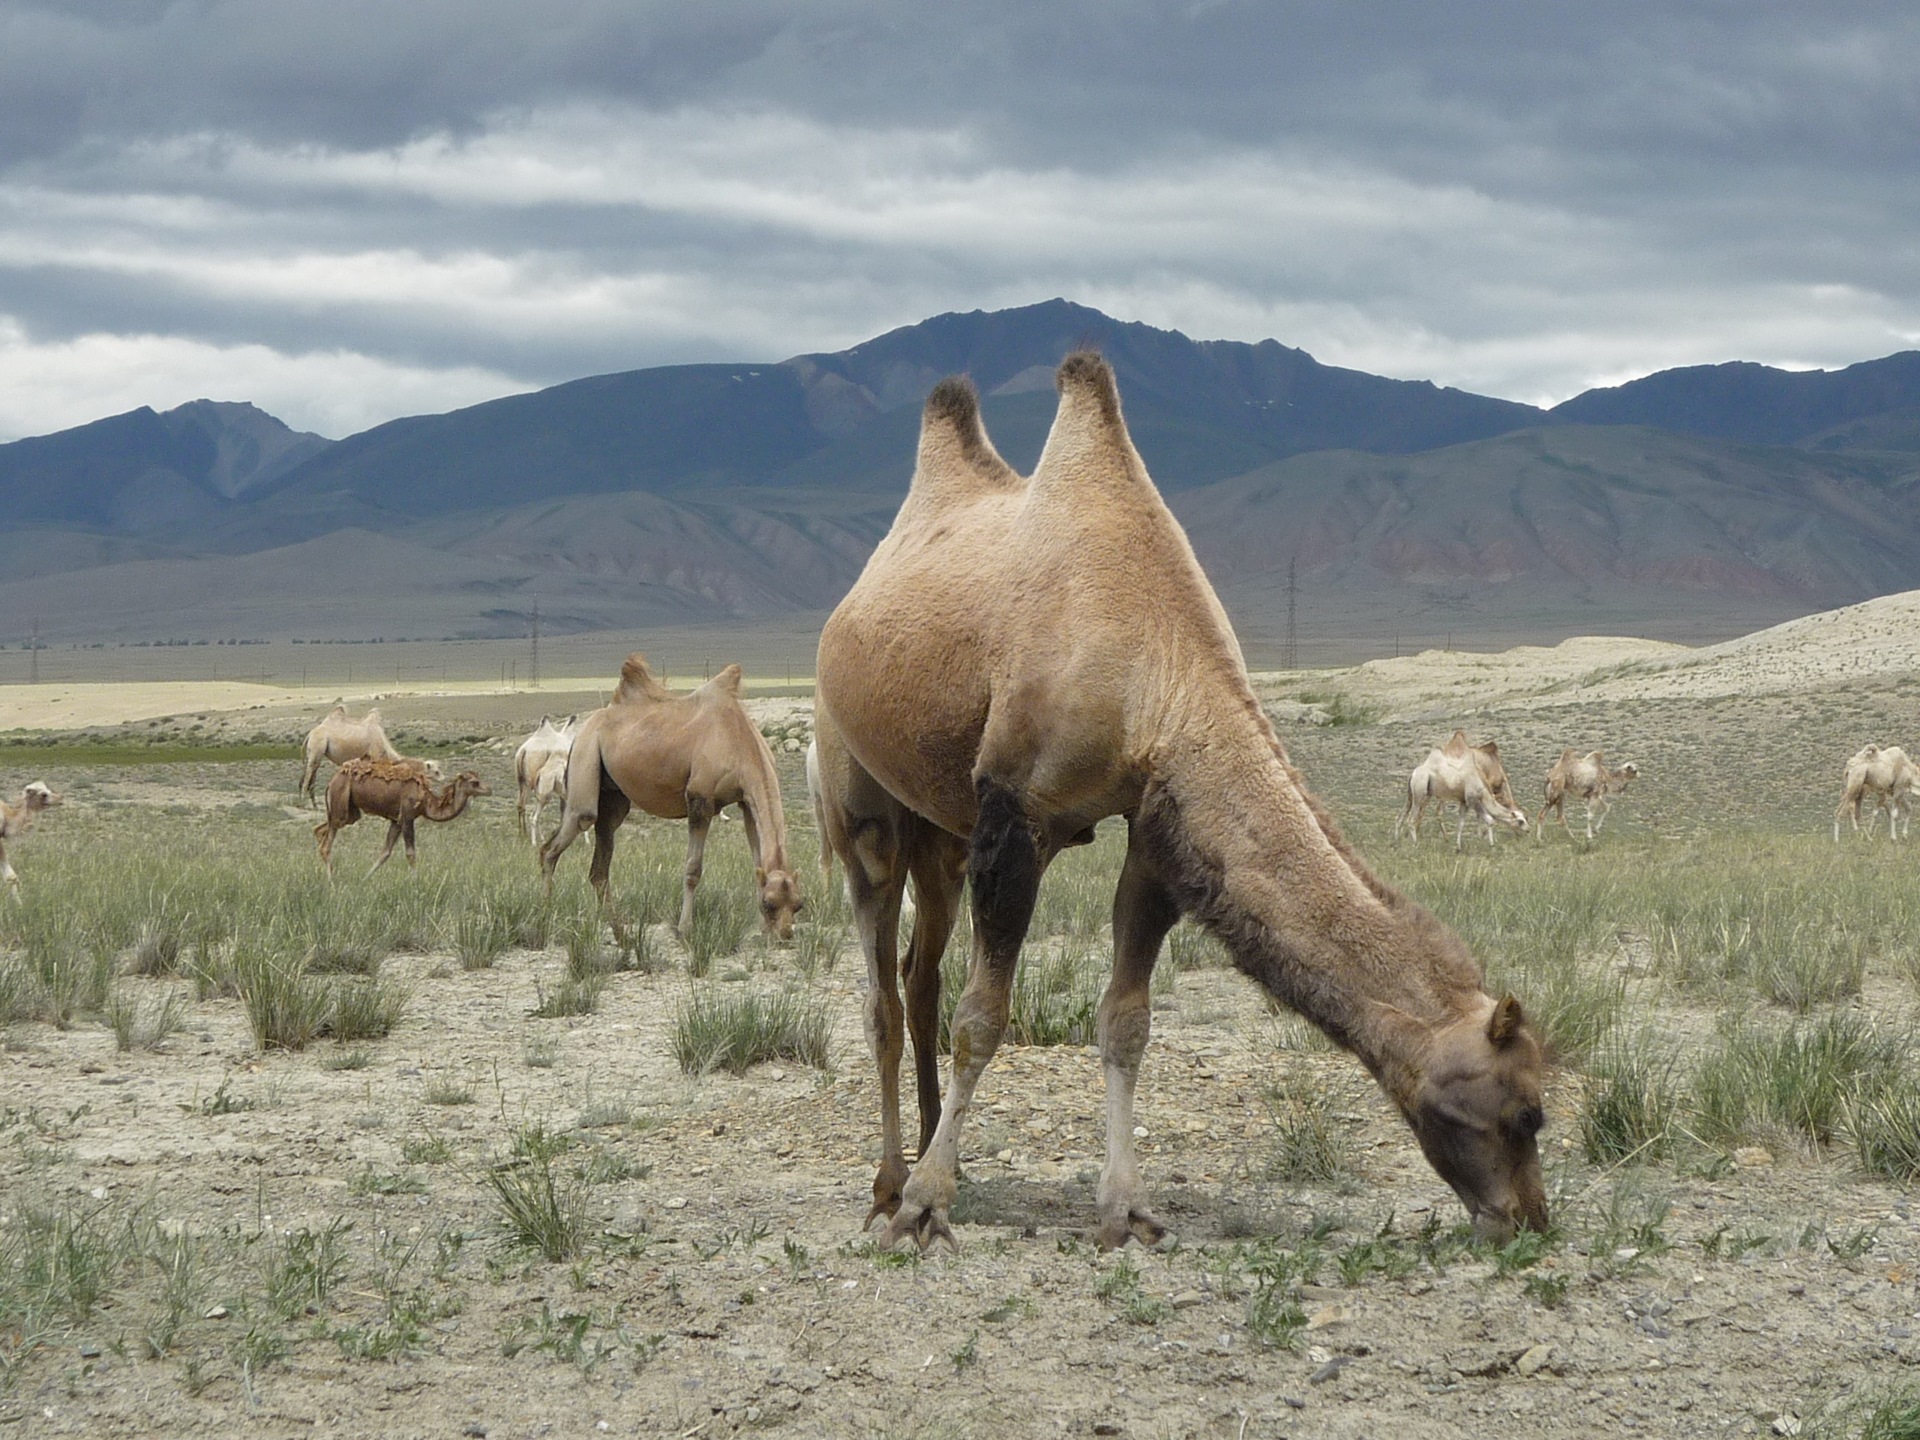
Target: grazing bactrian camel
1023,657
397,791
340,739
677,756
1583,777
16,819
1469,776
540,768
1886,774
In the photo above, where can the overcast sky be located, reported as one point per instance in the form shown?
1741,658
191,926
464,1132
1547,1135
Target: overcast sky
351,210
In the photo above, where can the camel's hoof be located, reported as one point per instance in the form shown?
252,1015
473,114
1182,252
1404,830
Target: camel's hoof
1136,1224
885,1207
924,1227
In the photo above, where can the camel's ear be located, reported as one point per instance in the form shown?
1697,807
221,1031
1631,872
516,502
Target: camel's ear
1505,1022
1489,749
759,876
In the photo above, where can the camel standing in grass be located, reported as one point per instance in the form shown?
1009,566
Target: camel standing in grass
540,768
1890,778
1583,777
1469,776
678,757
340,739
1024,657
397,791
16,820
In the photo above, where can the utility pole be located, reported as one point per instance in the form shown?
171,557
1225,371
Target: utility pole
1291,658
533,649
34,664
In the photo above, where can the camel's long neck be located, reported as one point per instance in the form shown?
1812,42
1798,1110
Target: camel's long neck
448,805
1254,858
762,787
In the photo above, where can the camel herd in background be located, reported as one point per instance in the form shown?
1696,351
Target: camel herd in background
1473,778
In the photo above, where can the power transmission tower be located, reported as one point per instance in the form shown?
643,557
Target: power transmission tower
1290,659
34,664
533,649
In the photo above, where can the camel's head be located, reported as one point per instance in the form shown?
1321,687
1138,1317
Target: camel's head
41,796
1477,1113
779,901
1511,816
1626,772
468,782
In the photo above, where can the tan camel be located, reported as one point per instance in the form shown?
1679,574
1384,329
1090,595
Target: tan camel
1469,776
16,820
340,739
1583,777
1886,774
397,791
678,756
540,768
1021,658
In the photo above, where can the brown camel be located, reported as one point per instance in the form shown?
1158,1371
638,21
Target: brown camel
1584,777
397,791
16,820
1884,773
1022,658
678,757
339,738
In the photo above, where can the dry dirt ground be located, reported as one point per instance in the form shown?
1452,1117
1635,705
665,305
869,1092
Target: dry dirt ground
729,1287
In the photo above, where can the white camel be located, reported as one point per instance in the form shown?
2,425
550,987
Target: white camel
340,738
16,820
540,768
1886,774
1457,779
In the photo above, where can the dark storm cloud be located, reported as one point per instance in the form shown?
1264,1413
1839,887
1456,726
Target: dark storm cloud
346,209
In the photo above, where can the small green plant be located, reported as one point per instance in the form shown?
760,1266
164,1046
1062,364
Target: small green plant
447,1092
573,995
733,1032
1548,1290
1883,1127
375,1182
1121,1286
1013,1307
142,1027
1311,1146
305,1266
426,1150
480,937
366,1007
1275,1319
968,1354
541,1211
542,1053
1630,1104
605,1167
354,1059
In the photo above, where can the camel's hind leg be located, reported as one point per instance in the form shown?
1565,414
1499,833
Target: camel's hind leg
938,864
1004,865
1143,912
394,831
611,815
6,874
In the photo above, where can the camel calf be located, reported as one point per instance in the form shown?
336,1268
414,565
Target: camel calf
395,791
1469,776
1890,778
16,820
1583,777
540,768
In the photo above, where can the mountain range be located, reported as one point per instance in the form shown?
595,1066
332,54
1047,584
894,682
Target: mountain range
731,493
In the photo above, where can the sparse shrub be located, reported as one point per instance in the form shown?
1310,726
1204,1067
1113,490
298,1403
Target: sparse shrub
447,1092
426,1150
1630,1103
1311,1146
732,1032
366,1007
817,945
571,996
540,1211
716,929
1191,948
141,1027
157,951
542,1053
480,937
1883,1127
287,1008
1056,996
354,1059
1795,1078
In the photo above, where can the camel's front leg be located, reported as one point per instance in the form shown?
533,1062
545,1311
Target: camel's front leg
6,873
699,818
406,834
393,835
1004,865
939,869
1143,912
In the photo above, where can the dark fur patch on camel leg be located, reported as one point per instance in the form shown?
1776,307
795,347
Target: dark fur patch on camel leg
1003,866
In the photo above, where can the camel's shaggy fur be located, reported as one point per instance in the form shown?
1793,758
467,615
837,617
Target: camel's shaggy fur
1886,774
397,791
678,756
540,769
1469,776
1023,658
16,819
1584,777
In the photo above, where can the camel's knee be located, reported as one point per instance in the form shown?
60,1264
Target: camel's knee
884,1019
1124,1024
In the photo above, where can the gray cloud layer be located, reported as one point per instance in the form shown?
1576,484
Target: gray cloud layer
355,210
